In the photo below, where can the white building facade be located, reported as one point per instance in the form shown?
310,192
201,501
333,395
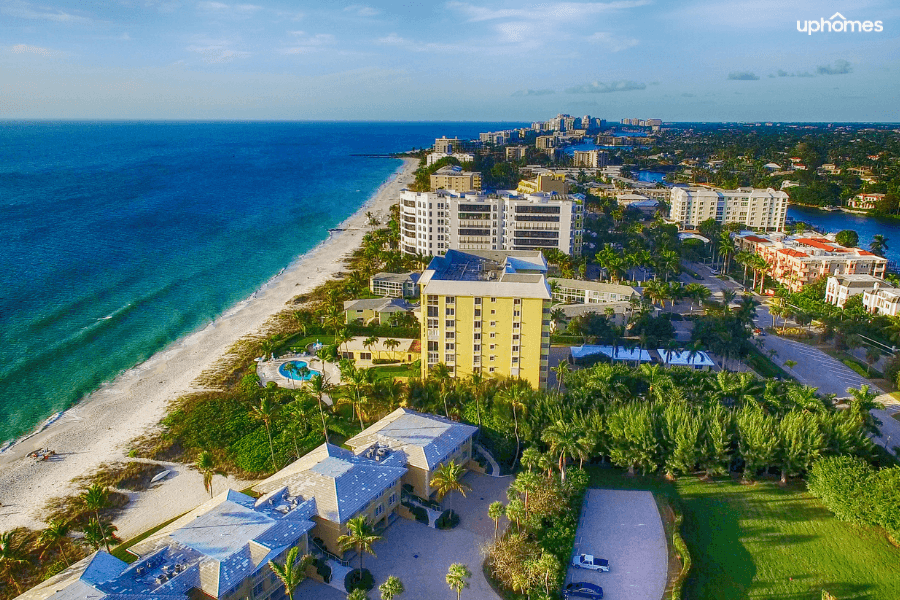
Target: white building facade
433,222
755,208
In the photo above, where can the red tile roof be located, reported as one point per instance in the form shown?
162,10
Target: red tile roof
792,252
756,239
818,243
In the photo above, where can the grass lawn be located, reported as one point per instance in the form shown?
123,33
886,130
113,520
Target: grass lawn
768,541
392,371
763,365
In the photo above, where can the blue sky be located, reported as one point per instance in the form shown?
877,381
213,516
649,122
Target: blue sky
457,60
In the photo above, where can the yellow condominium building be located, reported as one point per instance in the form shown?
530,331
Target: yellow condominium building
487,312
454,178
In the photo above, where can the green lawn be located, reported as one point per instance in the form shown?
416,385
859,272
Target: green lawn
766,541
392,371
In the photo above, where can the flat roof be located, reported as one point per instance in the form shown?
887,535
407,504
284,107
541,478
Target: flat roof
619,353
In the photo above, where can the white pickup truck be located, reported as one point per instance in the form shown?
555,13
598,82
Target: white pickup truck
589,561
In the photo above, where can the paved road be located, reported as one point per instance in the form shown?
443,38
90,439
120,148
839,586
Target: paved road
625,528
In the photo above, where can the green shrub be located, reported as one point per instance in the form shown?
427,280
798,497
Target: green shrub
323,570
448,520
420,514
357,579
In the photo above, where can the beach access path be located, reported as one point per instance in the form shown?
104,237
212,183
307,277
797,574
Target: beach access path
100,428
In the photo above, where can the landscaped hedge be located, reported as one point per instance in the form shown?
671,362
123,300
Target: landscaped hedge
448,520
323,570
682,550
357,579
855,491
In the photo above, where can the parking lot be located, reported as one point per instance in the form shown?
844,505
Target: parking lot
625,528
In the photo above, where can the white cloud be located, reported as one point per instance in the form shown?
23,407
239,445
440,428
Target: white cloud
304,43
231,11
361,10
559,11
598,87
613,42
26,49
217,53
23,10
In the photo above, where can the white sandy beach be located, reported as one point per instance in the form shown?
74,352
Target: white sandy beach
99,429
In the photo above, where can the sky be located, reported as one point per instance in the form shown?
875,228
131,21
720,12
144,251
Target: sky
509,60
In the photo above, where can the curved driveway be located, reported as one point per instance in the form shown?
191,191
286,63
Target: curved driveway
624,527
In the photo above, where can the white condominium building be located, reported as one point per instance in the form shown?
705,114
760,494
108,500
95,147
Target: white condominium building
756,208
433,222
593,159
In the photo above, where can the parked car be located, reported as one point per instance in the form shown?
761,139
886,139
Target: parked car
589,561
583,589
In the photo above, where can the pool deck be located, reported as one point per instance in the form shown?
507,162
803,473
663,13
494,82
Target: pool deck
268,371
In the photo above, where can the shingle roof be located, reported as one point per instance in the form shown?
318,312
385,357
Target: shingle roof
426,439
341,482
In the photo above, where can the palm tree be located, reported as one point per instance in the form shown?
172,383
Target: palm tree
96,498
441,373
370,342
558,316
320,386
266,412
496,510
561,370
11,554
563,437
878,245
458,578
391,344
390,588
55,533
293,571
98,534
358,594
447,479
206,464
359,382
726,248
515,396
290,368
360,535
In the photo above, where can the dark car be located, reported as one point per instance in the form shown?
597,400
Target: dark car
583,589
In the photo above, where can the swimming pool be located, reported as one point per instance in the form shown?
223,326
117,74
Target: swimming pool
296,375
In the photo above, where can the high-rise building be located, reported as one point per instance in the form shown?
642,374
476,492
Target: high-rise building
757,208
593,159
431,223
487,312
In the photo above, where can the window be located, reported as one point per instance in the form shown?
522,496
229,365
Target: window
477,336
515,336
392,499
515,360
450,300
493,312
493,335
449,323
490,369
449,358
365,356
379,509
493,358
492,346
450,335
493,299
517,301
449,346
477,301
258,588
450,311
515,348
493,323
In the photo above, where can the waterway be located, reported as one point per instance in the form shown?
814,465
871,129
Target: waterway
866,227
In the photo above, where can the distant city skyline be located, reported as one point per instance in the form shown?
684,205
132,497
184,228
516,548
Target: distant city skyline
697,60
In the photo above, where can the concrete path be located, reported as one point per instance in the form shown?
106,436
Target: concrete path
625,528
495,468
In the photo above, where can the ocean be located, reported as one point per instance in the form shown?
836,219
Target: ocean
119,238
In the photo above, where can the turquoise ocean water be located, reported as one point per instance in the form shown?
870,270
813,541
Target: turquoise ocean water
118,238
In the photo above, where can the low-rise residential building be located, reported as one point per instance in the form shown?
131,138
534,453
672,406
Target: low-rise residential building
395,285
795,261
841,287
544,182
758,209
686,358
367,311
577,291
431,223
452,177
424,441
487,312
865,201
883,299
219,550
591,352
342,485
365,351
463,157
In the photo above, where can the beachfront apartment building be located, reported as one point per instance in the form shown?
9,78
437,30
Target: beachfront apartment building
395,285
463,157
487,312
426,442
577,291
795,261
452,177
592,159
219,550
759,209
431,223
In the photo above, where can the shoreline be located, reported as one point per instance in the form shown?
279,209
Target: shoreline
99,428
